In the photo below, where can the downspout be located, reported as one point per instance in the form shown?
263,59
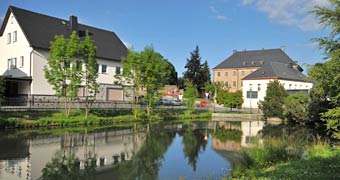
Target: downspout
30,92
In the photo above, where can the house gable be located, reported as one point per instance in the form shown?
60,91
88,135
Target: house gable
41,29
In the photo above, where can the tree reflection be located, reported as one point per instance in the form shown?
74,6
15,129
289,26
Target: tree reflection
193,141
66,166
147,161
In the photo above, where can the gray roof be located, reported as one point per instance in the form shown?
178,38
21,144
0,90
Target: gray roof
41,29
276,70
271,63
255,58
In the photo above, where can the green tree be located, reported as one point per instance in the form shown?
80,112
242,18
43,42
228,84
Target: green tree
327,75
64,71
197,73
229,99
205,75
132,76
90,73
296,108
190,93
156,74
172,80
147,72
272,105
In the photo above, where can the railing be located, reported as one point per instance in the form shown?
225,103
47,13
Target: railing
50,102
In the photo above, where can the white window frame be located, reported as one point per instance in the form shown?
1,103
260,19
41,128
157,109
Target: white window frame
9,38
14,63
15,36
9,63
21,61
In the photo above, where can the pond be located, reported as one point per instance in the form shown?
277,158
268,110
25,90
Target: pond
162,151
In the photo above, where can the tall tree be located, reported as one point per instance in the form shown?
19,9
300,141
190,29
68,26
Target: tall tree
132,76
147,72
156,74
63,71
172,75
327,75
272,105
90,73
197,72
205,75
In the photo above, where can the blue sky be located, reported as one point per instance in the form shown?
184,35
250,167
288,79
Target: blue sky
175,27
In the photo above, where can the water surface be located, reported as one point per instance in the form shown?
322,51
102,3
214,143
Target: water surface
167,151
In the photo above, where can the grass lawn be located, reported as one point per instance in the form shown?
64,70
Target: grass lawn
321,162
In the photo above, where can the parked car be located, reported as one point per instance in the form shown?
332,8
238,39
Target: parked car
175,102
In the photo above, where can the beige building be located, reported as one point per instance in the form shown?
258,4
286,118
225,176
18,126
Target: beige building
251,71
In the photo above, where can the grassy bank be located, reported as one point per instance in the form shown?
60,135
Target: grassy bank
288,153
39,119
320,162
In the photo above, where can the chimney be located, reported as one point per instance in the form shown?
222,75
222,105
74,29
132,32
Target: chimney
74,24
283,48
234,51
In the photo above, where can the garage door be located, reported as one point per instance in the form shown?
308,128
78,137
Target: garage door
115,94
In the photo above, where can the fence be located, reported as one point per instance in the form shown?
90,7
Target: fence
50,102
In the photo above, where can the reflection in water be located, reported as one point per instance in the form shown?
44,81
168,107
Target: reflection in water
193,142
153,152
66,165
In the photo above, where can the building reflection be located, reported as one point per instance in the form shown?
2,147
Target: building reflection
25,157
232,135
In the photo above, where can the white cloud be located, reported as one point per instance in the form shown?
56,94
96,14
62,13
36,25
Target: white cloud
217,14
290,12
128,45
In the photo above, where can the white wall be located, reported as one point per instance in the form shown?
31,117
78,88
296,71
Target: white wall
253,102
14,50
41,86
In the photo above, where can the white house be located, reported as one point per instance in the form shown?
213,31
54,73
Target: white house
251,71
25,38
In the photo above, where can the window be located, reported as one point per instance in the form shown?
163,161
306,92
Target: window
259,87
241,83
243,73
234,73
234,83
226,74
227,84
9,38
21,61
104,68
14,63
290,86
9,63
252,94
118,70
15,36
12,19
218,74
